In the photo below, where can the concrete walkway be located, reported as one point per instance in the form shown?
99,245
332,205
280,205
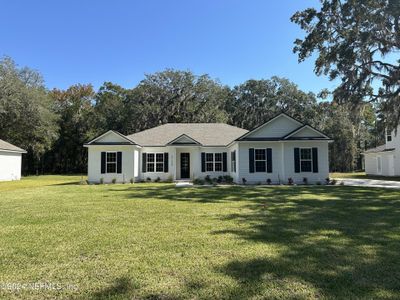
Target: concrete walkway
370,182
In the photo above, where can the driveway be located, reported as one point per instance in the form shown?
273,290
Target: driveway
370,182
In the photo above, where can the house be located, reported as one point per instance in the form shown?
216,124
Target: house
279,149
385,159
10,161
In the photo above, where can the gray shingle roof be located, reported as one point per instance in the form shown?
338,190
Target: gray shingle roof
207,134
10,147
381,148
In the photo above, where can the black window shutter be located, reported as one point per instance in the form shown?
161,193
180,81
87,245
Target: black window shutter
269,160
296,160
315,160
144,162
166,162
224,162
251,160
103,162
203,162
119,162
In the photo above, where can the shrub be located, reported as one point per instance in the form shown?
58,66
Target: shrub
114,180
290,181
318,182
158,179
148,179
198,181
131,180
305,180
341,183
327,180
219,179
333,181
244,180
228,179
269,181
101,180
207,179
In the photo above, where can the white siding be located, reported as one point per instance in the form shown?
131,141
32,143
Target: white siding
323,161
260,177
94,163
283,162
279,127
371,163
10,166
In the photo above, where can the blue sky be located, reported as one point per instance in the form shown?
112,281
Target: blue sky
119,41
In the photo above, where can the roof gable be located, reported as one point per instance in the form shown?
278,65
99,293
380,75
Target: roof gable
184,139
305,131
277,127
111,137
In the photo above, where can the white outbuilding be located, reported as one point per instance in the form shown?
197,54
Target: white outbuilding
385,159
10,161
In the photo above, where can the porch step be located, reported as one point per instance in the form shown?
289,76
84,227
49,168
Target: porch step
183,183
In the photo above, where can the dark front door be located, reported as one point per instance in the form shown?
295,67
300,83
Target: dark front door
185,165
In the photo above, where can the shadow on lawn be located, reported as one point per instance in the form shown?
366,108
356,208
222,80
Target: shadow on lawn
336,242
345,247
121,287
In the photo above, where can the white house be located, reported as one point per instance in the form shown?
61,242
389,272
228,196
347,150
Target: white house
10,161
384,160
279,149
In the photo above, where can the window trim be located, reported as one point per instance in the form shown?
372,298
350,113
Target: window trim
265,160
115,163
310,160
154,162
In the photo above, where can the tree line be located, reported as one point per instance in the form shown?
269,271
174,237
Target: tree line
53,125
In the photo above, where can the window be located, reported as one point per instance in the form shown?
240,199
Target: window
209,162
111,162
260,160
233,161
305,160
389,137
213,162
155,162
159,162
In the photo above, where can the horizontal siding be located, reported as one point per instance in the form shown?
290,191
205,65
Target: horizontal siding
259,177
277,128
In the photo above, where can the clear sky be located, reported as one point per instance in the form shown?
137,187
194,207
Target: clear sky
119,41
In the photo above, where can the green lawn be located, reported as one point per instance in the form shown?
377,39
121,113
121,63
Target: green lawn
155,241
362,175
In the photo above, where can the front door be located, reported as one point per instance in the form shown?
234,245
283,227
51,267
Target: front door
185,165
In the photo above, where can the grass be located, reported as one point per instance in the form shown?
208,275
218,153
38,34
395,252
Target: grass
362,175
156,241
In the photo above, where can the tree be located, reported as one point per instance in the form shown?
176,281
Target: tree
177,96
255,101
358,42
27,118
75,109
